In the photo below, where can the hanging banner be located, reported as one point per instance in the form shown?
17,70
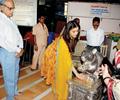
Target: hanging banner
100,9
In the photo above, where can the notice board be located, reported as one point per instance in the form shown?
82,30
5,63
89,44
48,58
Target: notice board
25,13
108,13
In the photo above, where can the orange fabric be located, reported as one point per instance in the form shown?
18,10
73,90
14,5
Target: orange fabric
48,62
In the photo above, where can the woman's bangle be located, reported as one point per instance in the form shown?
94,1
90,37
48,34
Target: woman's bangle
106,78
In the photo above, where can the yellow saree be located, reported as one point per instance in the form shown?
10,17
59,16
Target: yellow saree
63,71
57,69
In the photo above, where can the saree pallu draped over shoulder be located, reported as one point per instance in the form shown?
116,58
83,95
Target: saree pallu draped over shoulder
48,62
57,67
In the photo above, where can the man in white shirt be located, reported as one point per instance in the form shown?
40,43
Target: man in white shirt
11,48
95,35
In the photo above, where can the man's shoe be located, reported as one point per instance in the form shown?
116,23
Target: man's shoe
18,95
33,69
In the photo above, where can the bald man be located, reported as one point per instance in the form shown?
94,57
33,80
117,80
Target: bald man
11,48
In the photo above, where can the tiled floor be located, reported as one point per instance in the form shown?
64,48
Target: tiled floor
31,85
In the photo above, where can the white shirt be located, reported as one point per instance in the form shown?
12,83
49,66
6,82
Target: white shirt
10,37
95,37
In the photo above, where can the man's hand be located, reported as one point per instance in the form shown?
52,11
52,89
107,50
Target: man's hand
20,53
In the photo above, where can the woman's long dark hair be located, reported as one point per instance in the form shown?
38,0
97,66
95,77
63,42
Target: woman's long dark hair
66,35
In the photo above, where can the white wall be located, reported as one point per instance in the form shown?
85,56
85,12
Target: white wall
25,12
109,14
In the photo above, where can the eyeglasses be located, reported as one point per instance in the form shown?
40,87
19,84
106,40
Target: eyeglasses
10,8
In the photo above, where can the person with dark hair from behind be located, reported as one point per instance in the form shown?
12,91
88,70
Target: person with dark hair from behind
57,66
95,35
11,48
77,20
112,83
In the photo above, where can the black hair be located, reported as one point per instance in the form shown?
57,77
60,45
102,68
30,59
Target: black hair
76,19
66,36
96,19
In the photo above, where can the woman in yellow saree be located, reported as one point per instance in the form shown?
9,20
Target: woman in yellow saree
57,64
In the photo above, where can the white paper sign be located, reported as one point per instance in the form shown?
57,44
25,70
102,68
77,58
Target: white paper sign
25,13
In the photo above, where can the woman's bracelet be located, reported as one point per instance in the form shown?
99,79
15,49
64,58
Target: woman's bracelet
106,78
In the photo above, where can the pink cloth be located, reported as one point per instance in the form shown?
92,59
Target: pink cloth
109,89
29,37
117,57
